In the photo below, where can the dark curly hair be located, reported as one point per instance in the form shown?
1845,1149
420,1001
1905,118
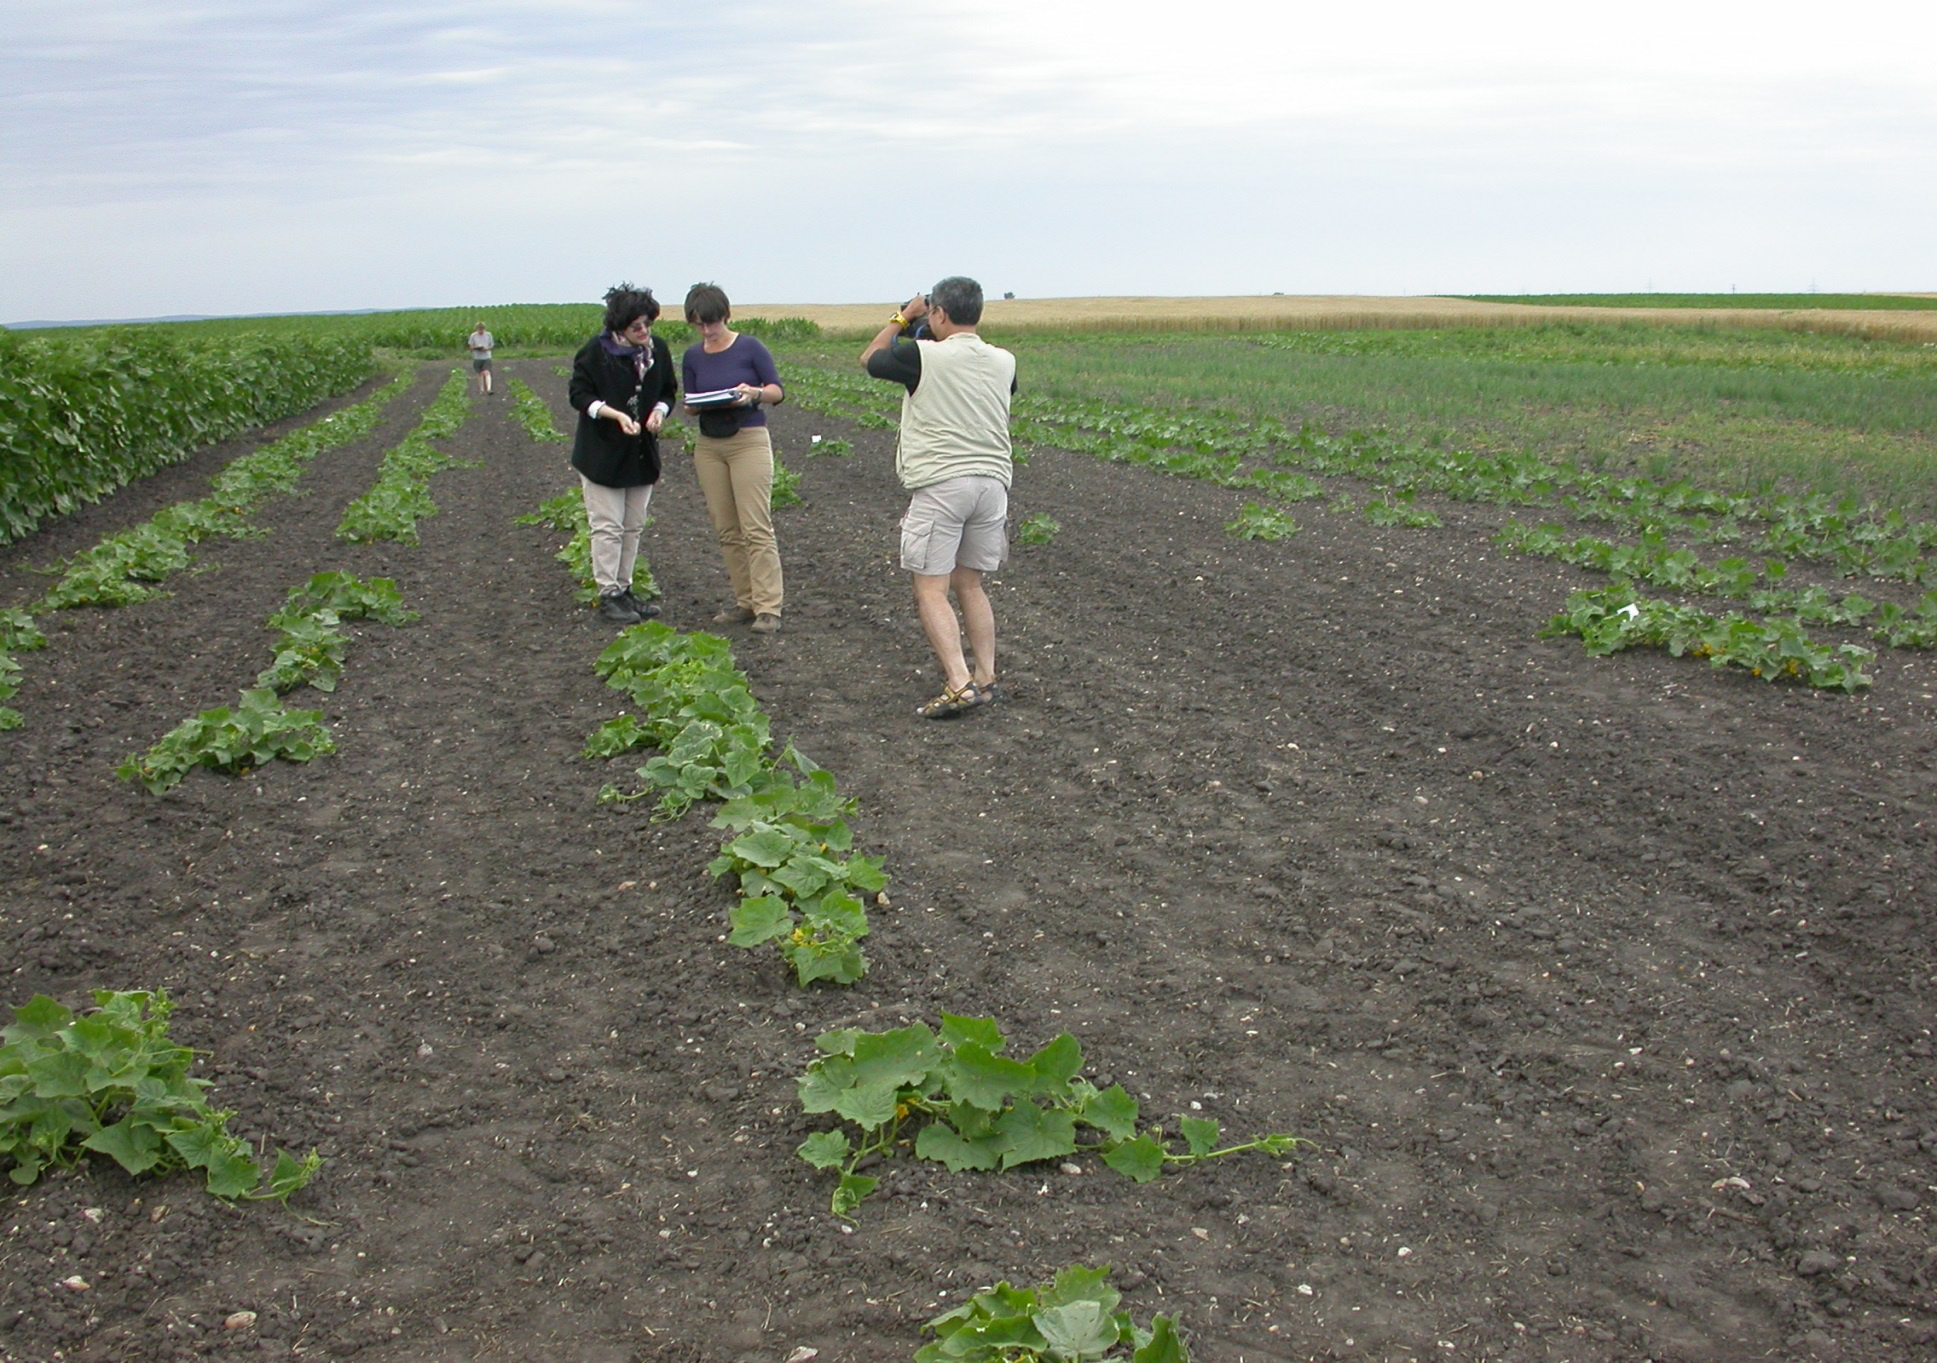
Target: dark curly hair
625,305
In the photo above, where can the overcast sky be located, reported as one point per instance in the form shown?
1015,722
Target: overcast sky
164,157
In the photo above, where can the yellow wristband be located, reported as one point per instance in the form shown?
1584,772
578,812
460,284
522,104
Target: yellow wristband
898,321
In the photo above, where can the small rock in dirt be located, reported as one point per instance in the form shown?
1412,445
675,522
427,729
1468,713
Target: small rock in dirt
1817,1262
544,944
239,1320
1897,1199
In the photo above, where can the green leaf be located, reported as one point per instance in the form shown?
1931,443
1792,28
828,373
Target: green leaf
869,1105
1026,1134
900,1057
1200,1135
1164,1346
852,1192
1141,1160
942,1143
231,1174
760,920
135,1147
986,1080
1113,1112
1080,1330
960,1031
826,1149
37,1020
1057,1063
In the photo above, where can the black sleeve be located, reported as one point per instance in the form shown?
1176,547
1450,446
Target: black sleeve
899,363
663,377
584,388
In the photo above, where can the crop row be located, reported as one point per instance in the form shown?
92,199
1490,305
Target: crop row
401,496
129,566
1271,458
82,414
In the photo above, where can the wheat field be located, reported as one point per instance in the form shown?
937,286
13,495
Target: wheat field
1284,312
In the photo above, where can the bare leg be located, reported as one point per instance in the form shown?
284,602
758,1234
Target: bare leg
978,619
944,632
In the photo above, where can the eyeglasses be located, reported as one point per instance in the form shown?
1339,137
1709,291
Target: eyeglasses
640,324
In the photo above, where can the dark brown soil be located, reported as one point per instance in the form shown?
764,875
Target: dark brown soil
1604,987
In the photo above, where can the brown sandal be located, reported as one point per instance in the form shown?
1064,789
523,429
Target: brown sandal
951,703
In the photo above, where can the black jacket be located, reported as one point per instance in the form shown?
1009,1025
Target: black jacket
600,450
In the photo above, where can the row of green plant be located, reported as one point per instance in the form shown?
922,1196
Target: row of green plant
533,413
129,566
1262,454
85,412
260,728
112,1083
1654,562
957,1099
789,845
401,496
1616,619
1075,1318
18,634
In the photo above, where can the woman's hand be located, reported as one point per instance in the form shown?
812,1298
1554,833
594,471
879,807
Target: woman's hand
654,420
626,423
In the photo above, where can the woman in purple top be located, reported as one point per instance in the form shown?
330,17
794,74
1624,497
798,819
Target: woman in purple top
733,455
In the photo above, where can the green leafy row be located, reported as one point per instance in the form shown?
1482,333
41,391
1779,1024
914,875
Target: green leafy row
969,1106
1616,619
260,728
18,634
237,741
112,1083
85,412
1074,1319
530,411
125,568
401,496
791,842
309,647
1654,562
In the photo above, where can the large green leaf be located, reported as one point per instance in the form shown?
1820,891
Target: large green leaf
1027,1134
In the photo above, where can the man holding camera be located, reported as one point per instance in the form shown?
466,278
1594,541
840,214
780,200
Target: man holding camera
954,458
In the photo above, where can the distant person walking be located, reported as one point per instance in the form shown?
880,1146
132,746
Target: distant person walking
481,347
622,386
954,457
733,455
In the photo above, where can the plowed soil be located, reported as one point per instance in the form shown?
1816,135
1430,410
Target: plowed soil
1604,987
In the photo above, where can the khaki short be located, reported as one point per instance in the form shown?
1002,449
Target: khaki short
956,523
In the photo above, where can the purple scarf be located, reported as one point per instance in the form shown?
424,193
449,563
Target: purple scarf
640,355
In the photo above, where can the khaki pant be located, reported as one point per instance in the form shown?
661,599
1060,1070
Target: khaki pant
616,516
736,474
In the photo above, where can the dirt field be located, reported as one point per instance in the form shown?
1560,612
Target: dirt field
1604,987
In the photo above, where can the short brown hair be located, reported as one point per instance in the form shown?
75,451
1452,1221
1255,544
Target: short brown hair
706,303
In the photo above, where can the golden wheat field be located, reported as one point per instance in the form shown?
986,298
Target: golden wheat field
1282,312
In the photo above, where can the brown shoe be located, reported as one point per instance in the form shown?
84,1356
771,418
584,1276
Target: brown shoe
766,623
733,615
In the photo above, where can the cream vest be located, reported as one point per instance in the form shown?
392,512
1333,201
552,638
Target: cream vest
956,422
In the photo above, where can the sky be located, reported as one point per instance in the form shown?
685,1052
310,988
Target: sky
170,157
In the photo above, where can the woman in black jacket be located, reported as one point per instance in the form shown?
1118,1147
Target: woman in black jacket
622,387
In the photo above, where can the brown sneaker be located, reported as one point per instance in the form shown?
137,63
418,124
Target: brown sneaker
733,615
766,623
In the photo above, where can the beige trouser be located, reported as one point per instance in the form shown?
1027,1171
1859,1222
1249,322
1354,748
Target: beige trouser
736,474
616,516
